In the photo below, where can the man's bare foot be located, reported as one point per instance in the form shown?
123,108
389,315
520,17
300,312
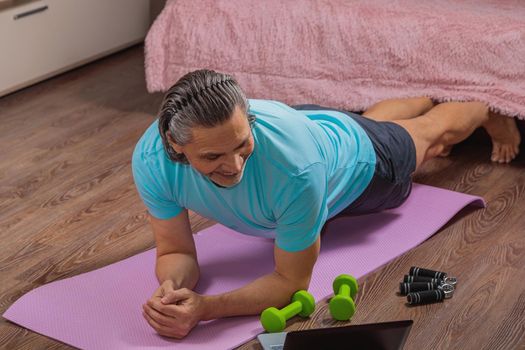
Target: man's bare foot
505,137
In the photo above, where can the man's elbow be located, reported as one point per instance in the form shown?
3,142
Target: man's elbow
295,283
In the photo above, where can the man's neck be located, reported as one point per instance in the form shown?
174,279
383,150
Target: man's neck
216,184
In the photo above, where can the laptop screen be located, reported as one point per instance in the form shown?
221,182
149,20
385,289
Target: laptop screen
376,336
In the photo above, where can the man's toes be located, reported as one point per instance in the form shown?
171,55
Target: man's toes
496,152
505,137
503,153
512,152
508,156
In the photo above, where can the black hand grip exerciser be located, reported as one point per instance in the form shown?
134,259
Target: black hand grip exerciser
412,279
426,297
405,288
418,271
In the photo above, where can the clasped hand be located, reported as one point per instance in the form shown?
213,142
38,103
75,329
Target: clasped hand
173,312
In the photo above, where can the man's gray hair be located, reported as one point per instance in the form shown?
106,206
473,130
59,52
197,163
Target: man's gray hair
202,98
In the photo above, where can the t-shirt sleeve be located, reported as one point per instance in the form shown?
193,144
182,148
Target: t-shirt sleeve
155,194
302,210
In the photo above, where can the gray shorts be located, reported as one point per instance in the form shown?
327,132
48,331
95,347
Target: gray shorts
395,162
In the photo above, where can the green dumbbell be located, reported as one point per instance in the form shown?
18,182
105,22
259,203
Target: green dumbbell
274,320
342,305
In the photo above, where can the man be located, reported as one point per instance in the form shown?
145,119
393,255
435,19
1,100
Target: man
263,168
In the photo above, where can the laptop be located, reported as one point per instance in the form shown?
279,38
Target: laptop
373,336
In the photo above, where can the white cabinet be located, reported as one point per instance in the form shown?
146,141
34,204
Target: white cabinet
46,37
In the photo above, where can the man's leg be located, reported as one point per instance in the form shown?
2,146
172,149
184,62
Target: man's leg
446,124
504,135
395,109
502,130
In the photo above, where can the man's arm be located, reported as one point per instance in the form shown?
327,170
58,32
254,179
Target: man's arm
293,271
176,254
176,312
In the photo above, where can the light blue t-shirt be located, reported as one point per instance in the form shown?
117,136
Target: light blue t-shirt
305,168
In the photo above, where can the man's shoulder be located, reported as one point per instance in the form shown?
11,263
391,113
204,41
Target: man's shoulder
149,152
149,138
269,108
286,138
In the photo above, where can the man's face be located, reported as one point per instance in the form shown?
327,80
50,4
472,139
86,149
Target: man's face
220,152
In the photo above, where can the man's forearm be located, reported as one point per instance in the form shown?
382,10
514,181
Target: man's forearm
182,269
269,290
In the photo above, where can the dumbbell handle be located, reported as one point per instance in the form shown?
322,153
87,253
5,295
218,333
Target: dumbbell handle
291,309
344,290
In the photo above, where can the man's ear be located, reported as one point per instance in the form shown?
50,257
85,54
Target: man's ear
176,147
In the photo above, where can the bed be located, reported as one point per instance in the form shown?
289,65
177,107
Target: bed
348,54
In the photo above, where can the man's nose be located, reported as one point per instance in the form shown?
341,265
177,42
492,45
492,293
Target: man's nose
234,163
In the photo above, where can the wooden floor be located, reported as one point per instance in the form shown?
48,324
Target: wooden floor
68,205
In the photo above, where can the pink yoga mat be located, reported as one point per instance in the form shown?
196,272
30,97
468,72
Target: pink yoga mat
102,309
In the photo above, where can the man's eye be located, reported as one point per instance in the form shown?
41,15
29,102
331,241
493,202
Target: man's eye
211,157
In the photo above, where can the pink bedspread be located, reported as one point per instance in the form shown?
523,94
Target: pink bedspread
348,54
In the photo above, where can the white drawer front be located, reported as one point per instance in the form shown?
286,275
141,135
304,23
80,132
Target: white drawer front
66,33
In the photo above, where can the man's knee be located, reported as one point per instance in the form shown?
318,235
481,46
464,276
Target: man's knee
424,135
